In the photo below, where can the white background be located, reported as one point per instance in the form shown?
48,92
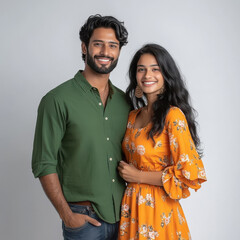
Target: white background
40,48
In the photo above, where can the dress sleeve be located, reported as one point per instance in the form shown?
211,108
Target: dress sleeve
48,135
186,169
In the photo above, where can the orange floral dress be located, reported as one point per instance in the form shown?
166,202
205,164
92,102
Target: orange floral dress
153,212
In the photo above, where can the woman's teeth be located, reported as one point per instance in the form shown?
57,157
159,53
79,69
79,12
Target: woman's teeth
148,83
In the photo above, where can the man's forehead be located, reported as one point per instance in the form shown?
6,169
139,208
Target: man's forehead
104,35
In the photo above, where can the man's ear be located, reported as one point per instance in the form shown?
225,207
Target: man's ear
84,48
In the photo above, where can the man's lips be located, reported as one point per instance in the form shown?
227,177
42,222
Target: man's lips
103,59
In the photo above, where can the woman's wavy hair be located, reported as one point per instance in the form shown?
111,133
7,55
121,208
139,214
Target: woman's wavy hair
97,21
175,93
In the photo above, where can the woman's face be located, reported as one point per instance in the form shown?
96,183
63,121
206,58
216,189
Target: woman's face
149,77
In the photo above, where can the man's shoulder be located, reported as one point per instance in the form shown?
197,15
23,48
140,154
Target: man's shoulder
58,94
62,88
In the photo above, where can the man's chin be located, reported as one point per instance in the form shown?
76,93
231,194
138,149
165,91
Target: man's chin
103,70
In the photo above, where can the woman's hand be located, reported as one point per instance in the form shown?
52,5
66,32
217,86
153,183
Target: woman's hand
132,175
128,172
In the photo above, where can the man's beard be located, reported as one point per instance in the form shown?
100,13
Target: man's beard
102,69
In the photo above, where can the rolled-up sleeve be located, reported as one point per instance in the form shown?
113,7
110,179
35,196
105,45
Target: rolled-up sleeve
49,132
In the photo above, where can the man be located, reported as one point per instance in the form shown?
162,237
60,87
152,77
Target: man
77,144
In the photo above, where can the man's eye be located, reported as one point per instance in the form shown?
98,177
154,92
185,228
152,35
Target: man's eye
113,46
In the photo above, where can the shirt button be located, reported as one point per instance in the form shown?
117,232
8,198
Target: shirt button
99,104
107,139
106,118
113,180
110,159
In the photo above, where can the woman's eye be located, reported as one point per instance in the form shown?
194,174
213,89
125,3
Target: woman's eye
155,69
140,69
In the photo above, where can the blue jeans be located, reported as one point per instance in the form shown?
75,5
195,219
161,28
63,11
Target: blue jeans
106,231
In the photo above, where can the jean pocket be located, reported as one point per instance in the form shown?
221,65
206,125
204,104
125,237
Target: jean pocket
79,210
77,229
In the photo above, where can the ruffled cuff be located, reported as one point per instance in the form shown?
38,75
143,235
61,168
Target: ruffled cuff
177,181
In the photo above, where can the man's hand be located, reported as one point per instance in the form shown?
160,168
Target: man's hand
77,220
129,173
54,192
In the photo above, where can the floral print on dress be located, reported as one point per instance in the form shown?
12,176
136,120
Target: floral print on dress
129,125
153,212
201,173
180,217
148,232
123,227
140,149
158,144
129,191
164,160
186,174
180,124
138,133
165,220
148,200
173,141
179,236
125,211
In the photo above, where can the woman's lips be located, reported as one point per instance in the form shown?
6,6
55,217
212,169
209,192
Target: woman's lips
148,83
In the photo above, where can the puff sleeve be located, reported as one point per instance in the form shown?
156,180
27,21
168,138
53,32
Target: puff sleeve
186,169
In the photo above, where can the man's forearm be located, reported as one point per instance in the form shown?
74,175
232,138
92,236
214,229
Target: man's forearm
53,190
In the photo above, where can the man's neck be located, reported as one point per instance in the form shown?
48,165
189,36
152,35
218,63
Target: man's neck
97,80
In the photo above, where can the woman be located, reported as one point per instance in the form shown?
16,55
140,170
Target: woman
162,152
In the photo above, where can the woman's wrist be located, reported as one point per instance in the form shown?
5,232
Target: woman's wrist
140,176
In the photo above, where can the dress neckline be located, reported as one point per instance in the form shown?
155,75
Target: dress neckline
134,120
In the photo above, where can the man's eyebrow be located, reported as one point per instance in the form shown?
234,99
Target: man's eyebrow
153,65
112,42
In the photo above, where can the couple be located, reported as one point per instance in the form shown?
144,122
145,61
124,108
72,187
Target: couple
84,127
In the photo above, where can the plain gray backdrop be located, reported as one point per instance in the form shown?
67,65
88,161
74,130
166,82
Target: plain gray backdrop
40,49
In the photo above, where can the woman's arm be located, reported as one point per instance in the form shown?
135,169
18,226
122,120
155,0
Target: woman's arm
131,174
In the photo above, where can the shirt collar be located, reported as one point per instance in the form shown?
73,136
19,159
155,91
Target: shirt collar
81,80
86,86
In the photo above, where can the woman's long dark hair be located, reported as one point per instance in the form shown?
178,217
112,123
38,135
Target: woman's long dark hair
175,93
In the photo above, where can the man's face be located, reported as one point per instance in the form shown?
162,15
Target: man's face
103,50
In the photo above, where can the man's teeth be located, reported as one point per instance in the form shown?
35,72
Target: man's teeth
103,60
148,83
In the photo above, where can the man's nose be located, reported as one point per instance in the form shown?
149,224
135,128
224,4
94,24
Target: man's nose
104,50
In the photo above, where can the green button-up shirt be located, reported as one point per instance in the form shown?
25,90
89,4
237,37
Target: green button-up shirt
80,140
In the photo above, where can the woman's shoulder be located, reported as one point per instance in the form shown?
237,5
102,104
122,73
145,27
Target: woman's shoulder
134,112
175,113
132,115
